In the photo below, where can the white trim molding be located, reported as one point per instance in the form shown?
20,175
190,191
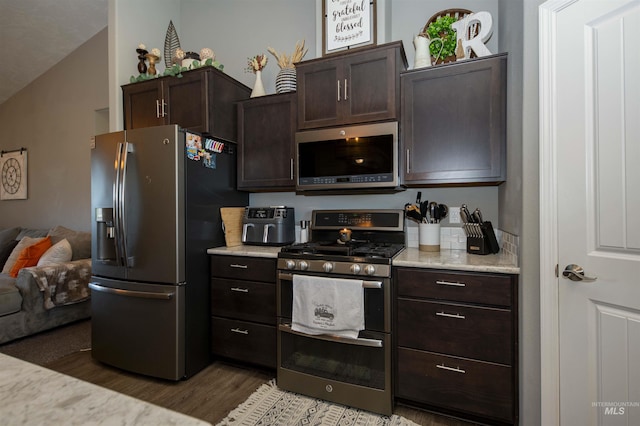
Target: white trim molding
549,302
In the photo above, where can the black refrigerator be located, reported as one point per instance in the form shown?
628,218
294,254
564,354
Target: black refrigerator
156,195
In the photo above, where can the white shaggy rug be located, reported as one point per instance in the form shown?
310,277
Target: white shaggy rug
270,405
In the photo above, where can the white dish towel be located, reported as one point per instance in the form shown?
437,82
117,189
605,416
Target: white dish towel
327,306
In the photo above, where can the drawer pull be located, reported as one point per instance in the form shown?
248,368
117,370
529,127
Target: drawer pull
444,314
240,290
237,330
449,283
235,265
454,369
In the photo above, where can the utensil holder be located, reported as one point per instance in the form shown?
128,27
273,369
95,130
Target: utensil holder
429,237
481,238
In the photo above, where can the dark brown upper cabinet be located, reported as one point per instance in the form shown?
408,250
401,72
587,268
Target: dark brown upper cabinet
453,127
202,100
266,143
351,87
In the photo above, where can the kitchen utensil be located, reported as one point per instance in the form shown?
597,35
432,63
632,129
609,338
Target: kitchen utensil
465,210
477,216
444,210
433,212
413,213
419,198
424,209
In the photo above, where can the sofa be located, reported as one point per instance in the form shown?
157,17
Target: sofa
44,279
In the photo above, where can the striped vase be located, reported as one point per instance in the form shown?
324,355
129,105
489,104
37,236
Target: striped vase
286,80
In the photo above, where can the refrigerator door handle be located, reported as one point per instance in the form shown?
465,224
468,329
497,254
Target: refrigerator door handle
117,217
128,148
131,293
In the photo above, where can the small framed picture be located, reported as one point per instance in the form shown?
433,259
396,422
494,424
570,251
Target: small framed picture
347,24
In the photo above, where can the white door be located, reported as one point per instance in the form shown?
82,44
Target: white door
590,181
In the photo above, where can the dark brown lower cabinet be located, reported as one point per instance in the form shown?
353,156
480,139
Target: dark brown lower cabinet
243,309
456,337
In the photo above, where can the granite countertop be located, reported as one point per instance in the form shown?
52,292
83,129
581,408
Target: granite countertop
411,257
31,394
246,250
458,260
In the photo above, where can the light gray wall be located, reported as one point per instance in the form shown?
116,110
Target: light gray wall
54,117
530,218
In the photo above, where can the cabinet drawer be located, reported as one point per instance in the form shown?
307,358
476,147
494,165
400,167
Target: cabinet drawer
474,387
246,300
244,341
488,289
461,330
244,268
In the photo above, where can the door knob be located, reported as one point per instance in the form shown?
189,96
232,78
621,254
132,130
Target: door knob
576,273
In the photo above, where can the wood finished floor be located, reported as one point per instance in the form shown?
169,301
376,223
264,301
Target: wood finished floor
209,395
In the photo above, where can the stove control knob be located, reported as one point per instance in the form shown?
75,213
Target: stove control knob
355,269
327,267
369,269
290,264
303,265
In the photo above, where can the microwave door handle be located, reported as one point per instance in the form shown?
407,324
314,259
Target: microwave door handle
265,233
245,227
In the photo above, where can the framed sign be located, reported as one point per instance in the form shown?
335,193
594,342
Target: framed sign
347,24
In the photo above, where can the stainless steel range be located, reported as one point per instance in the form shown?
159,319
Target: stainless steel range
344,245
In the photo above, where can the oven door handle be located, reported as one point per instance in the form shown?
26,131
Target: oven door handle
365,284
373,343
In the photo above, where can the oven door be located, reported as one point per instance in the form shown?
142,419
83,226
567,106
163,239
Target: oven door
354,372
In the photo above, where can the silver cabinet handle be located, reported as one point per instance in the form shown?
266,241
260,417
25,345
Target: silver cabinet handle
576,273
338,90
449,283
291,168
164,104
345,90
236,265
237,330
444,314
240,290
454,369
407,166
157,108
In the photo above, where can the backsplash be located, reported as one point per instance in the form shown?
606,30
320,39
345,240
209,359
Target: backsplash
453,238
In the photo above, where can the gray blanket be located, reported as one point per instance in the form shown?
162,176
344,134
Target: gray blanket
64,283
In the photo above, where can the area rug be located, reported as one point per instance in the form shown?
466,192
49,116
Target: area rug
271,406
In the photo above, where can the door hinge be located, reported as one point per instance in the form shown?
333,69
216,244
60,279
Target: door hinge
557,273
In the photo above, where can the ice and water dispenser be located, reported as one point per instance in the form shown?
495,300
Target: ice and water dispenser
106,242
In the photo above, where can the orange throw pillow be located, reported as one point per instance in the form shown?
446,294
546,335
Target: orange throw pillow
29,256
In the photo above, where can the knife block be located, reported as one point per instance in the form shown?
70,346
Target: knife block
481,238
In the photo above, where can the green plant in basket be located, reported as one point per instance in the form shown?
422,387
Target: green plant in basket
443,37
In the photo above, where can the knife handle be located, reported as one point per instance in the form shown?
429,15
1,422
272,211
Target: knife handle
477,216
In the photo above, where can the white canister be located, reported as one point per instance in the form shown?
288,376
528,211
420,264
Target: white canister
429,237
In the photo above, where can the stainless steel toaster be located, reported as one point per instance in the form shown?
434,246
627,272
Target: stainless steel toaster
271,226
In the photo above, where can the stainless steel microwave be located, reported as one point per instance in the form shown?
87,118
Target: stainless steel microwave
349,157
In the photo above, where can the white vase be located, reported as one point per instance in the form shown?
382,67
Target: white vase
258,88
423,56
